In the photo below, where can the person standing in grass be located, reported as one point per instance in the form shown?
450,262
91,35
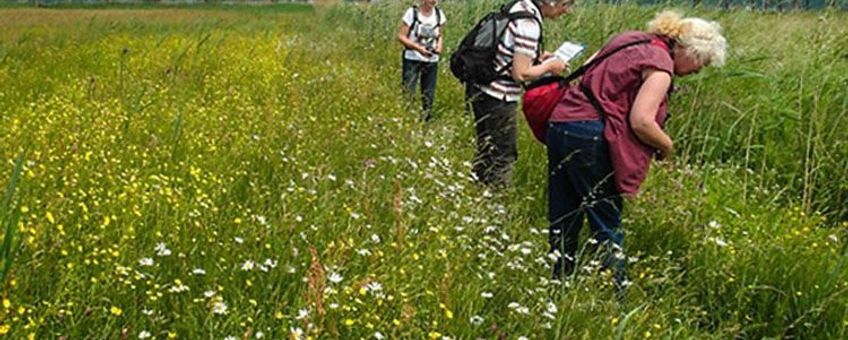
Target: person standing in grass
421,35
518,60
605,130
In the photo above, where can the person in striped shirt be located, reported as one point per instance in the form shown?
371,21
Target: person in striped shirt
494,104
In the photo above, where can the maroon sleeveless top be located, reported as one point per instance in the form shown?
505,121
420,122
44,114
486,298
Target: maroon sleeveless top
615,82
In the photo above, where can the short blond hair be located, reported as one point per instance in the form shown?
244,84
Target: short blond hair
701,37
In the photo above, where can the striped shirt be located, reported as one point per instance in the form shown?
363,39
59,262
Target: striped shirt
522,36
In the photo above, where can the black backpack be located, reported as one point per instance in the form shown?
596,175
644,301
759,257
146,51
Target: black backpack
473,60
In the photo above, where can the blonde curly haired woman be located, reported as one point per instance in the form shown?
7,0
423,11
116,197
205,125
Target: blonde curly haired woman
605,130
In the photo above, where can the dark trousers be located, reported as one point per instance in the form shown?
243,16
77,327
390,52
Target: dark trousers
428,73
580,184
497,133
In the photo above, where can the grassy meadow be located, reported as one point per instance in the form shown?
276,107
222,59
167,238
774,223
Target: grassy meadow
254,172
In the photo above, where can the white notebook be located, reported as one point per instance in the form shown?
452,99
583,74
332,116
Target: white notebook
568,51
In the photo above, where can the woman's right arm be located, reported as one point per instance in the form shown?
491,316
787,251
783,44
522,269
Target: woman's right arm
645,108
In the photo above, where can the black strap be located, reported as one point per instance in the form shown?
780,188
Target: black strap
438,18
598,59
508,6
594,100
583,69
411,28
414,21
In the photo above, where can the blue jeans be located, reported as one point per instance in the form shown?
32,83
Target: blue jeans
428,73
581,184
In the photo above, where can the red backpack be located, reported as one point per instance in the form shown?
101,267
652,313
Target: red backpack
541,96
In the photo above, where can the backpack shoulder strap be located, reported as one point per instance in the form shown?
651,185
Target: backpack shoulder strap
524,15
508,6
438,16
598,59
582,70
414,20
505,12
521,15
527,15
515,16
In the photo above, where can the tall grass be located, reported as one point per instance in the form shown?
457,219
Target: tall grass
212,174
9,215
778,107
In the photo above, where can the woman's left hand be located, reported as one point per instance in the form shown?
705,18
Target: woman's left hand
665,153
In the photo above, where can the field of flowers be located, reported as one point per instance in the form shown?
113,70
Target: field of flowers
253,172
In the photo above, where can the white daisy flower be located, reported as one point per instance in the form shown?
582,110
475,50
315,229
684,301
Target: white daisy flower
162,249
374,286
296,333
476,320
270,263
219,307
335,277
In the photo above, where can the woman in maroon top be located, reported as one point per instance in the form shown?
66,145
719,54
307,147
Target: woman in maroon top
604,132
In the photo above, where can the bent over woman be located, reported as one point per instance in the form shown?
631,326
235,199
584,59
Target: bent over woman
605,130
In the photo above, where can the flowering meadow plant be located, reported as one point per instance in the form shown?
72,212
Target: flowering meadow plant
246,172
